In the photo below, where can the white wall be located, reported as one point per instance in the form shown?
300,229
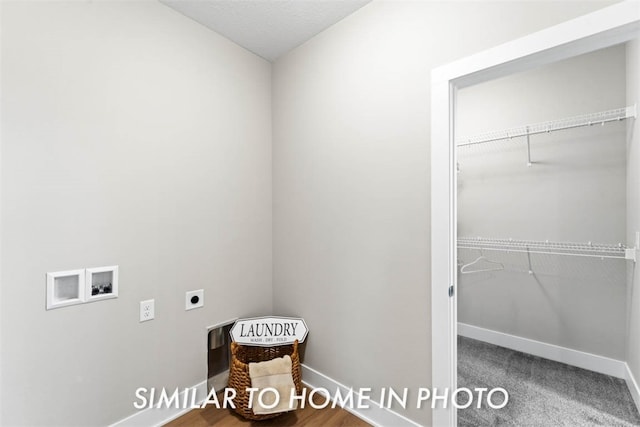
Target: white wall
633,207
575,191
131,135
351,178
151,137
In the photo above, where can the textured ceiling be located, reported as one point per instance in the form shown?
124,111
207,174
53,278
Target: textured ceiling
269,28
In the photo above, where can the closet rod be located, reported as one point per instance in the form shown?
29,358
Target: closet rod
618,251
553,125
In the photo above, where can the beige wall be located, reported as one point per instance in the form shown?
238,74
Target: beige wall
575,191
131,135
633,208
351,178
151,137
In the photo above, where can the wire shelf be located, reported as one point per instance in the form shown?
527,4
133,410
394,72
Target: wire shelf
589,249
550,126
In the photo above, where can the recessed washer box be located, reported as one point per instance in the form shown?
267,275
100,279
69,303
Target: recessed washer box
101,283
65,288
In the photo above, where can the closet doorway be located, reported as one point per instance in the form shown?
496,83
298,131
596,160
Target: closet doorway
542,238
534,206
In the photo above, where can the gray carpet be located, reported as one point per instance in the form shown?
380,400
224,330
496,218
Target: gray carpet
541,392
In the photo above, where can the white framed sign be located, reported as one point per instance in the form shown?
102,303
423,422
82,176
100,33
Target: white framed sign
269,331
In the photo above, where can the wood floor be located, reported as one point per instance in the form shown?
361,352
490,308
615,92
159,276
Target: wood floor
211,416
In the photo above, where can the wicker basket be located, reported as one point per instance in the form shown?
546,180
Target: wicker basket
239,379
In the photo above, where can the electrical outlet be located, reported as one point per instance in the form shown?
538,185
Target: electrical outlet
194,299
147,310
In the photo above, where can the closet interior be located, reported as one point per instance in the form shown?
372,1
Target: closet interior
548,220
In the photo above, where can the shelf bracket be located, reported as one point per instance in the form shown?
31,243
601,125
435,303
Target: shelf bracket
631,254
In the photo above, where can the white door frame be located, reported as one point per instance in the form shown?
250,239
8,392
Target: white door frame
607,27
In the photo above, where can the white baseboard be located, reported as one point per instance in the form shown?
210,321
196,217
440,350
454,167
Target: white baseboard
633,386
374,415
159,416
580,359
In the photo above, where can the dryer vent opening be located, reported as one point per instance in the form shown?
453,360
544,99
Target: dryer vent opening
219,355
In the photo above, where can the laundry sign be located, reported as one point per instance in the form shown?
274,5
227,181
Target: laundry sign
268,331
